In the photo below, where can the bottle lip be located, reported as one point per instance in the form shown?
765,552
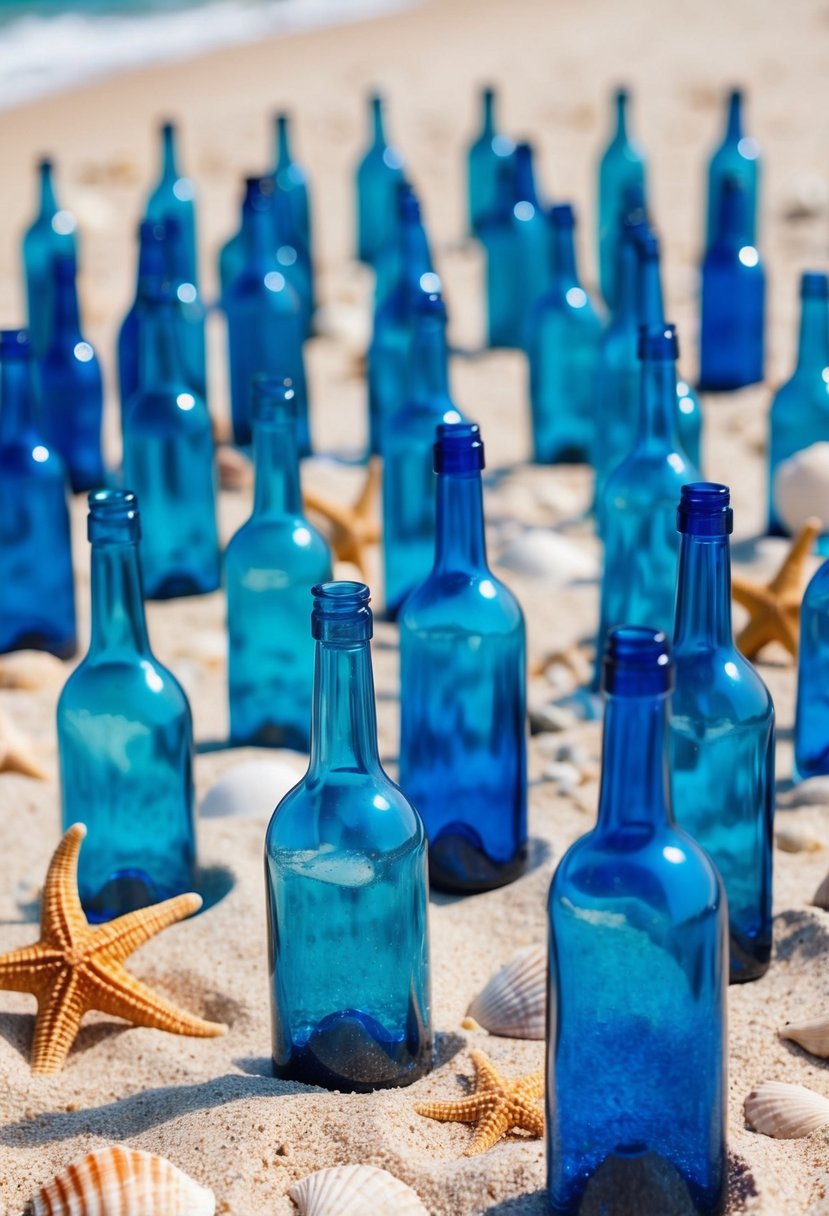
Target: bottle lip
341,612
814,285
658,342
273,398
458,449
113,516
705,510
14,343
637,662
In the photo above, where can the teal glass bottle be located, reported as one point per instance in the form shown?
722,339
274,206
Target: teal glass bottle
483,159
497,236
389,262
378,173
174,197
621,168
292,184
637,1047
189,307
531,237
722,731
270,565
347,885
151,266
811,727
737,156
125,737
168,461
71,387
52,232
563,349
37,602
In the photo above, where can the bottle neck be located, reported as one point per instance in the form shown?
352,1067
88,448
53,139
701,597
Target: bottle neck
257,233
415,250
460,538
564,255
658,402
48,199
16,399
813,348
283,143
734,122
160,362
118,622
488,126
429,362
276,470
703,603
732,226
627,283
343,721
650,303
67,322
621,118
377,124
525,180
634,786
169,168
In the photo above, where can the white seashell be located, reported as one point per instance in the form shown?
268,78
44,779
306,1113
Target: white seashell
31,669
208,646
514,1001
355,1190
796,840
821,895
786,1112
551,717
235,470
566,775
119,1181
249,789
801,486
16,754
542,554
814,791
811,1036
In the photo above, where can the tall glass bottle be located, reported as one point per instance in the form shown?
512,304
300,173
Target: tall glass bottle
531,232
378,173
168,460
483,159
462,681
151,266
52,232
345,857
722,731
292,182
636,1042
563,349
737,156
270,565
811,727
408,479
389,262
188,305
497,235
37,594
125,737
621,168
71,388
173,197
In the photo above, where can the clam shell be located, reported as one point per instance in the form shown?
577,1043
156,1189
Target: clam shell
249,789
801,486
514,1002
821,896
120,1181
786,1112
541,554
355,1190
811,1036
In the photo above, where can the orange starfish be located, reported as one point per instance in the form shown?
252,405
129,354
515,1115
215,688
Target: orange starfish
74,968
356,528
774,607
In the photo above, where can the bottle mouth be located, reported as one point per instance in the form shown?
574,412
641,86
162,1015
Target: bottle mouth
113,516
637,662
658,342
458,449
814,285
341,612
14,342
705,510
273,399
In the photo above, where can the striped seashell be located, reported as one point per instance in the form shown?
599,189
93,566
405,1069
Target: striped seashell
355,1190
786,1112
514,1002
119,1181
811,1036
821,896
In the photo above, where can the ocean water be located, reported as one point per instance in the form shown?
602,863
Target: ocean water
49,45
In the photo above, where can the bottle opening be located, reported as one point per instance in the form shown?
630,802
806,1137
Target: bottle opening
814,285
637,662
113,516
341,612
459,448
273,399
14,342
705,510
658,342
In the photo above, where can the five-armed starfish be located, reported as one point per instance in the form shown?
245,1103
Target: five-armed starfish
774,608
75,967
356,528
497,1106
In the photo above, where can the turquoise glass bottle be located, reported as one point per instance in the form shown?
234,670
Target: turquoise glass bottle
270,565
722,731
531,238
811,727
125,737
637,1047
485,155
378,173
345,857
497,235
563,349
168,461
52,232
188,305
292,184
151,266
37,603
621,168
737,156
173,197
71,387
388,264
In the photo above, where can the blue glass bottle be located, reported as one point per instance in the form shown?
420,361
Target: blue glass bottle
732,315
722,731
151,266
737,156
638,509
504,326
270,565
188,305
37,594
52,232
71,387
378,173
621,168
485,155
531,235
636,1043
125,737
408,479
292,183
462,681
173,197
345,857
168,461
389,262
800,410
811,726
563,349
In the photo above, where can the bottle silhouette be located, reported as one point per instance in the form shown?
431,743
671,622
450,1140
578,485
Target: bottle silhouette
722,731
168,461
292,183
37,602
462,679
737,156
622,168
531,237
378,173
389,262
800,409
485,156
71,388
636,1042
345,857
563,349
270,565
125,736
733,299
811,727
408,479
173,197
188,305
504,326
52,232
151,266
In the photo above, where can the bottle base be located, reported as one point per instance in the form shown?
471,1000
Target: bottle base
459,864
747,963
270,735
61,648
127,891
180,586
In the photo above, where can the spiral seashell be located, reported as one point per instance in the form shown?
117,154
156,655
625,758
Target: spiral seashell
786,1112
514,1002
820,899
355,1190
811,1036
119,1181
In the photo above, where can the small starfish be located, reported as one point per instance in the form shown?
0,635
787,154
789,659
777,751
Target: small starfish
355,528
497,1106
74,968
774,607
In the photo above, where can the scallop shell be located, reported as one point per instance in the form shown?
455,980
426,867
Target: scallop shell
16,754
811,1036
250,789
119,1181
801,486
821,895
514,1002
786,1112
31,669
355,1190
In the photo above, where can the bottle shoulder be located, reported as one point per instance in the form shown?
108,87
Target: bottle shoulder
653,466
344,811
462,602
28,456
109,681
417,419
167,407
270,540
718,682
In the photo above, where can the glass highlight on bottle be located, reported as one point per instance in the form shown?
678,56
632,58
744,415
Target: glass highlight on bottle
378,173
621,169
174,197
737,156
484,156
811,727
52,232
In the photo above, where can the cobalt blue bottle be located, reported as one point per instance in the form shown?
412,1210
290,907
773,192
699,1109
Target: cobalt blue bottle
174,198
125,737
485,155
71,388
737,156
563,348
622,168
408,479
270,565
151,266
37,601
168,460
733,299
462,682
189,306
636,1042
811,726
377,176
347,885
52,232
721,736
504,328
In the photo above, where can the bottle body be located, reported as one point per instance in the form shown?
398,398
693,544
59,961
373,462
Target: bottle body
174,198
738,156
483,159
732,319
621,170
811,730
